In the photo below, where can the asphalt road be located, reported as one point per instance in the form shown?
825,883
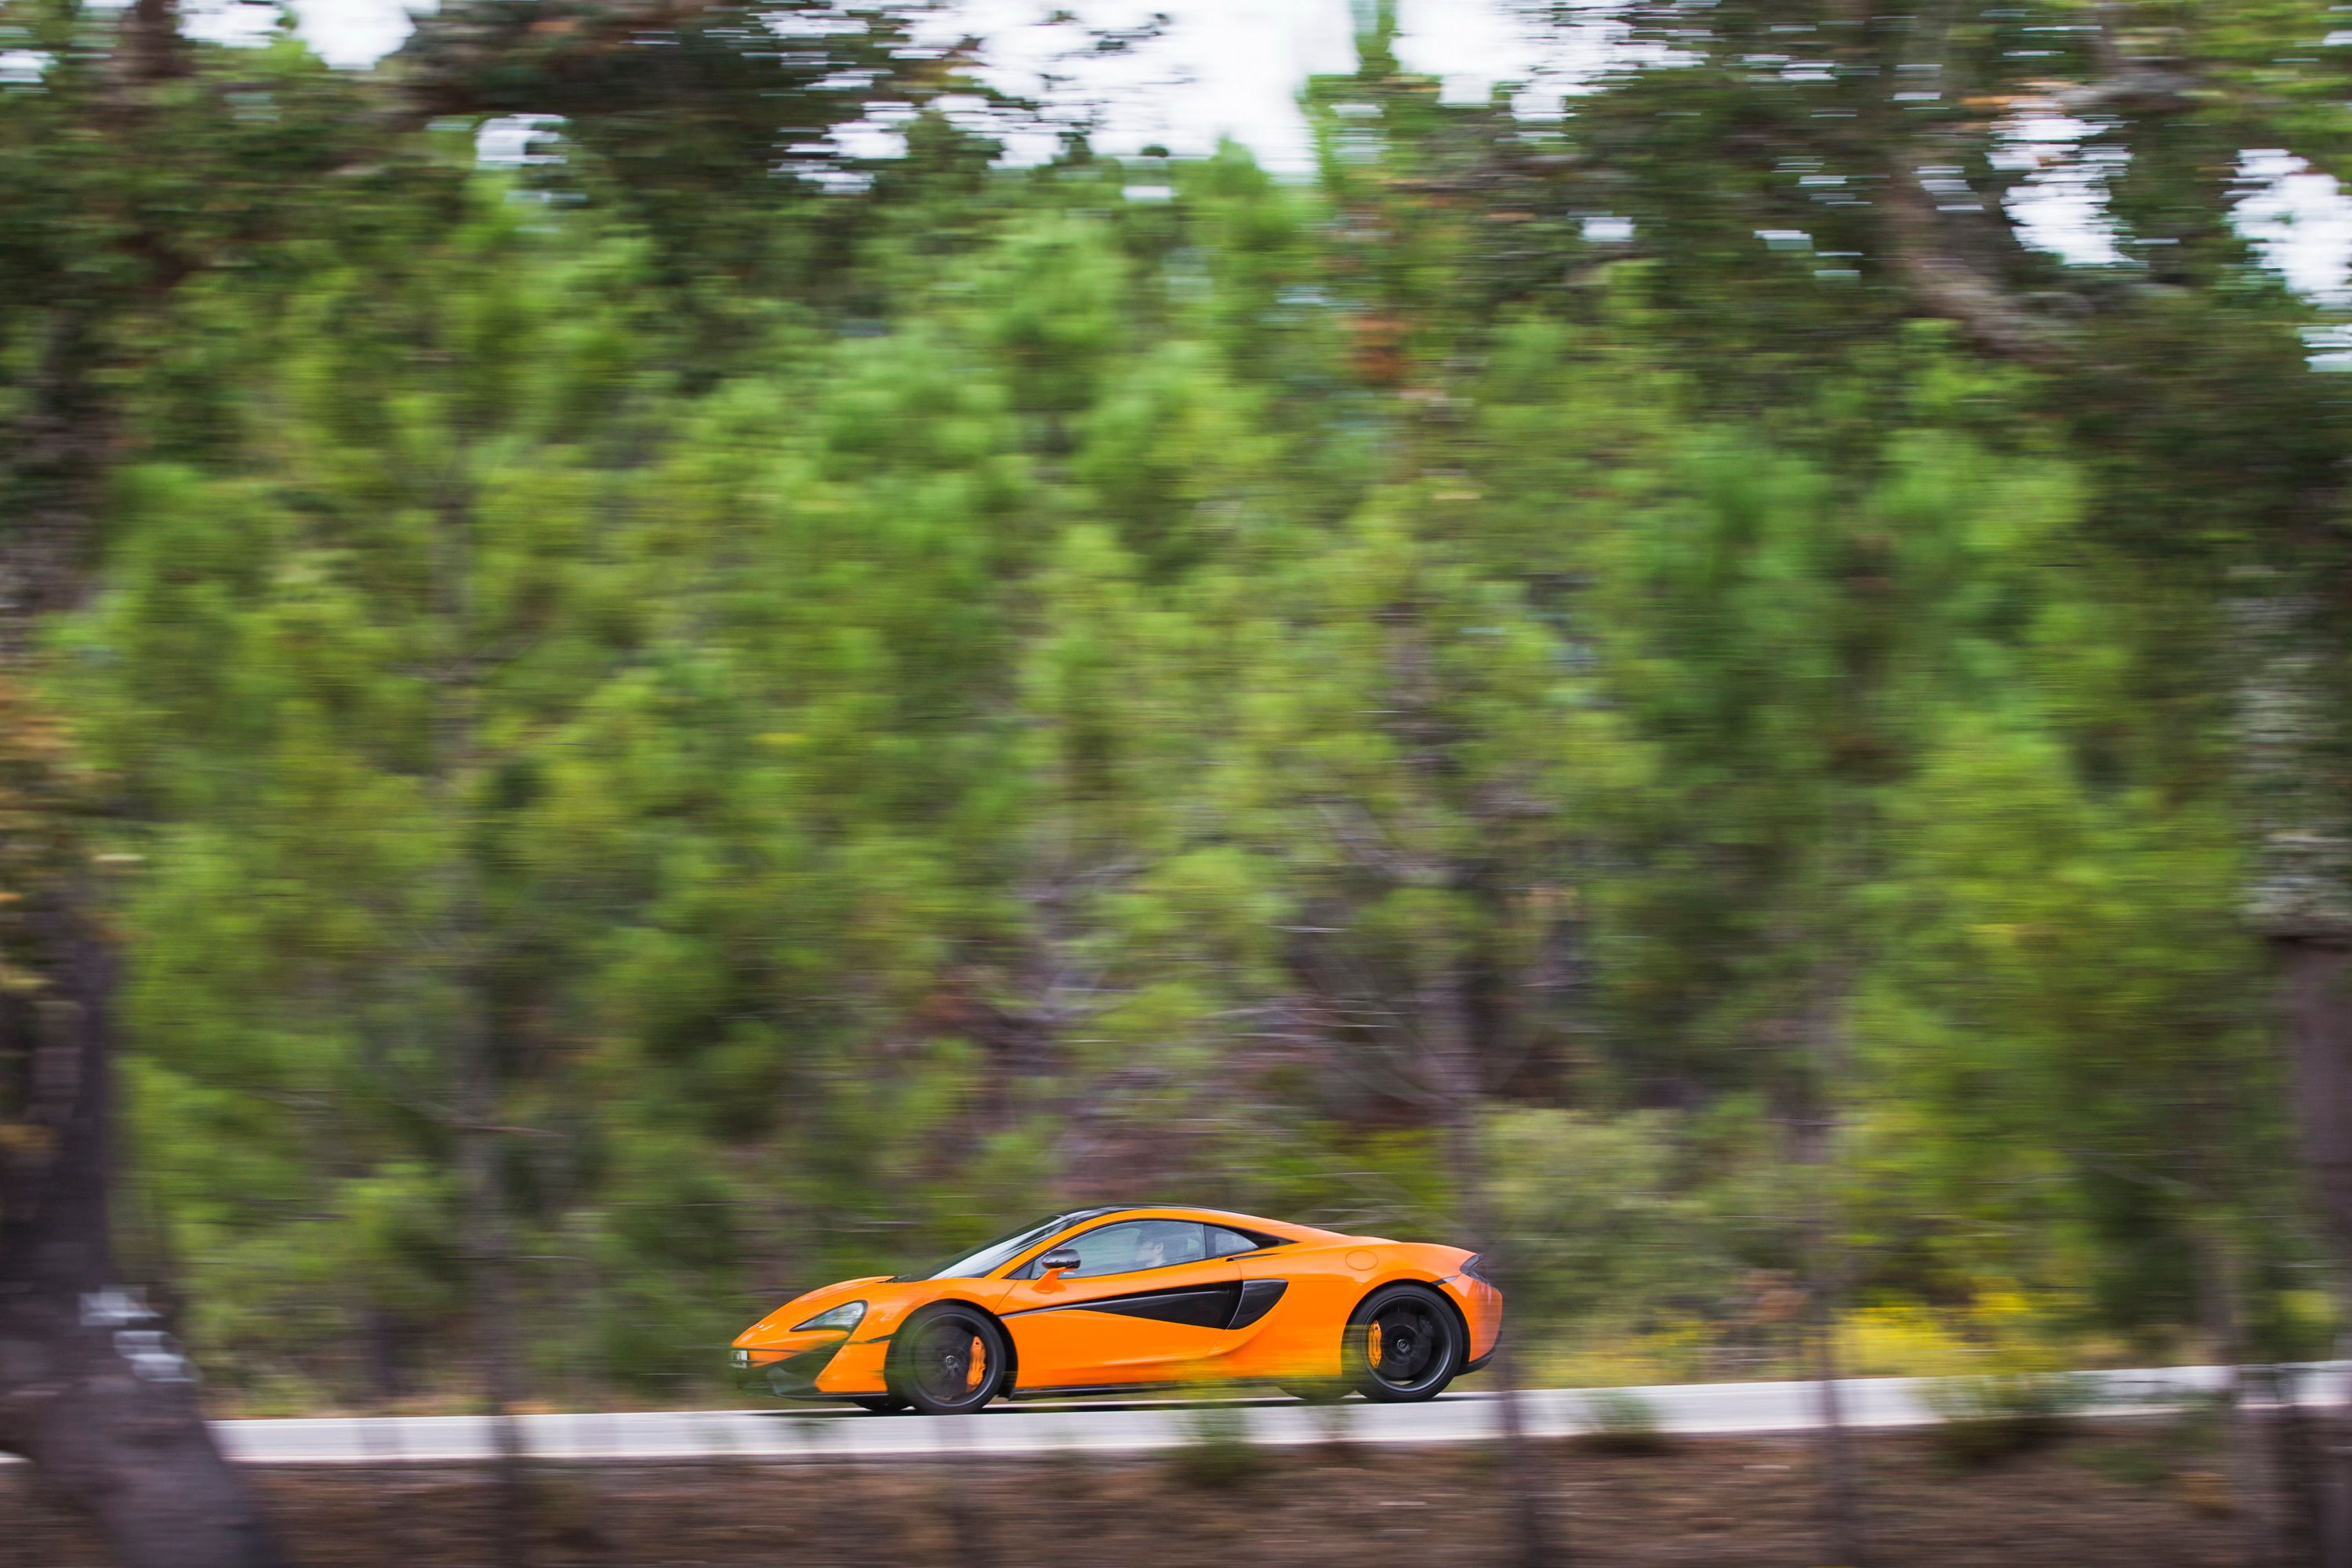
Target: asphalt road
1130,1426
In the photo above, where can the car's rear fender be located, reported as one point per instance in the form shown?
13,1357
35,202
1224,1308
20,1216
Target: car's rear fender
1300,1339
1478,1306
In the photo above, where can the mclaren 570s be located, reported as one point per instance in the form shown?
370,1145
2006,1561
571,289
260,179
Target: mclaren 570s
1118,1298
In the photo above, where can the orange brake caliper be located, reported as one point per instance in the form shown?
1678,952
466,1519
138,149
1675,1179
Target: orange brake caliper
979,1363
1372,1344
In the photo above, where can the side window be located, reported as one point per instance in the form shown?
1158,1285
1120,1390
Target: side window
1224,1243
1135,1244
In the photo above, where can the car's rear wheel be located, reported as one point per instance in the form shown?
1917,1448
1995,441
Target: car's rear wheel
881,1403
1404,1344
949,1360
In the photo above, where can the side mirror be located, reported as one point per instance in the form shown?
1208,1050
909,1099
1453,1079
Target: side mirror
1058,1260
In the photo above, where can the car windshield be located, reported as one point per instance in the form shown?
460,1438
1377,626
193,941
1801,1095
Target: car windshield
980,1260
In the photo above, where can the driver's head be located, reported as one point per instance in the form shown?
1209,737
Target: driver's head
1151,1252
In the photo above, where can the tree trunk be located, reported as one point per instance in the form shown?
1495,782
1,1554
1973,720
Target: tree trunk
53,468
91,1390
1448,1066
2298,896
1811,1120
2317,980
1539,1542
2317,984
1844,1541
1453,1073
490,1253
2294,1457
473,1064
2251,1482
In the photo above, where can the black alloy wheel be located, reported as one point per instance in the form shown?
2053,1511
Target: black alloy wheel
1404,1344
949,1360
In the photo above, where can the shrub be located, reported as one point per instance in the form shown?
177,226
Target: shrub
1988,1418
1619,1421
1216,1454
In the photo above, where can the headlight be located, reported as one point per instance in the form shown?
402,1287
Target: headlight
845,1317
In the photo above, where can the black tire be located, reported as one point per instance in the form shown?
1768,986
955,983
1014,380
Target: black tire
949,1360
881,1403
1404,1344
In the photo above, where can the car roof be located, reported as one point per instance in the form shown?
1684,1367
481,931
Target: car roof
1193,1211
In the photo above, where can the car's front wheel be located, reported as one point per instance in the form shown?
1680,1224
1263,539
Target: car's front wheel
1404,1344
949,1360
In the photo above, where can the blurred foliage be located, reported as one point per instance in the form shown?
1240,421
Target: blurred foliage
1216,1454
986,689
1617,1421
1997,1417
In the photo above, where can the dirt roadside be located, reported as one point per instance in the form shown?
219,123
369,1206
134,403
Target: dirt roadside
2125,1496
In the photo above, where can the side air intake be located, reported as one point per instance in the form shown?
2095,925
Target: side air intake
1257,1298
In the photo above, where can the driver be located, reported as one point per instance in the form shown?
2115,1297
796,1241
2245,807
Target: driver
1159,1248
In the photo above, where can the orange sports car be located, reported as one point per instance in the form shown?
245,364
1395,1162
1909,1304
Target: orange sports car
1115,1299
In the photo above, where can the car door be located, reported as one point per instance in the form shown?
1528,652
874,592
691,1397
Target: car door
1146,1302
